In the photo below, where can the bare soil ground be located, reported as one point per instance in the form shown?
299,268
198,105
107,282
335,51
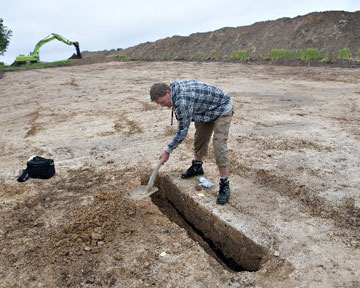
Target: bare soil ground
295,142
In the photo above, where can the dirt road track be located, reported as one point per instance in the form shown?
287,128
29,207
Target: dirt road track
294,145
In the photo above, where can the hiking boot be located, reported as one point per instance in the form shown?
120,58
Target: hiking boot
224,191
194,170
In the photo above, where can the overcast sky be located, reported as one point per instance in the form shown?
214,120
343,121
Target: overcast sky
111,24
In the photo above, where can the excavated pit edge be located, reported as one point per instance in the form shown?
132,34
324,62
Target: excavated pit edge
233,244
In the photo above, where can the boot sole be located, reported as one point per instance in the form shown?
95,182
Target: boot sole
222,202
187,177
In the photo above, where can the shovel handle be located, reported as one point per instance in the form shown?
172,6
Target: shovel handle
153,176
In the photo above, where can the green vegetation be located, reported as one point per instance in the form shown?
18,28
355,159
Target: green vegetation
165,56
325,58
310,54
5,35
239,54
277,54
306,55
345,54
213,54
200,55
35,65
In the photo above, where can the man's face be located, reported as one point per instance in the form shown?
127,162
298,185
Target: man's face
164,101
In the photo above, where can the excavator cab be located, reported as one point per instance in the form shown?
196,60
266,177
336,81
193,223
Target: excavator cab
34,56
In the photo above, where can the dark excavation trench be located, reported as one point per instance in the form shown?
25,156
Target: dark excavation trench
233,250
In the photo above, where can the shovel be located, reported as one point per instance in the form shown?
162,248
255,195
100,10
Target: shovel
143,191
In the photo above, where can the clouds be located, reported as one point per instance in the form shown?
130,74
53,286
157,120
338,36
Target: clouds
111,24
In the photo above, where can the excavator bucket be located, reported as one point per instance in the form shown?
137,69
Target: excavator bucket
78,54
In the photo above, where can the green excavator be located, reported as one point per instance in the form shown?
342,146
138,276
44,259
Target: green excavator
34,57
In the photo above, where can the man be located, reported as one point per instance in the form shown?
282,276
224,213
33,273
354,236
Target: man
211,109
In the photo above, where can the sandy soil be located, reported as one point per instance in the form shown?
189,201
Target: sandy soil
294,145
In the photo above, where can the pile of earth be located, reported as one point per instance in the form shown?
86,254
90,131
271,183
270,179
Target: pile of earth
328,32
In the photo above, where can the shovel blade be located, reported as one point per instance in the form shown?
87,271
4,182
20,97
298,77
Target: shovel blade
140,192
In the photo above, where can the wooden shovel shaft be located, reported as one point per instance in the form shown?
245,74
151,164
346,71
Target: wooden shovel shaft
153,176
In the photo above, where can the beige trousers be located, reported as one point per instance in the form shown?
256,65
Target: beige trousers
220,127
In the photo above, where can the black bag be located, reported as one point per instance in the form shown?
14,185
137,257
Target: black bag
38,167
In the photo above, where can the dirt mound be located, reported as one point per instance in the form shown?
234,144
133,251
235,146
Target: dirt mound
328,32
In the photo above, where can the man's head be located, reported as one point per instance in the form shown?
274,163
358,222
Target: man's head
160,94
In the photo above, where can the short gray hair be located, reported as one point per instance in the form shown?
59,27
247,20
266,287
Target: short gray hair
158,90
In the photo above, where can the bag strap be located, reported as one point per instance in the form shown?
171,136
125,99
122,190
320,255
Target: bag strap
23,176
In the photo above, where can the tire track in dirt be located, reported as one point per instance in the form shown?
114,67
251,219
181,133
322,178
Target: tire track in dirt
35,128
126,126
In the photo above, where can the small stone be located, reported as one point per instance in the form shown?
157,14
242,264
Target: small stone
87,248
95,250
97,236
118,256
198,187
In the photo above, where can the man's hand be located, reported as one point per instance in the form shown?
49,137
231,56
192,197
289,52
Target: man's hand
164,156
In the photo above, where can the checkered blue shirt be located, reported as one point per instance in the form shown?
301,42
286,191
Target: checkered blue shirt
195,101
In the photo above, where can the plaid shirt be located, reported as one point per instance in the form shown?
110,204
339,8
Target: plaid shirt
195,101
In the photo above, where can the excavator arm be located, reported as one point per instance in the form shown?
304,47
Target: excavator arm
34,57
